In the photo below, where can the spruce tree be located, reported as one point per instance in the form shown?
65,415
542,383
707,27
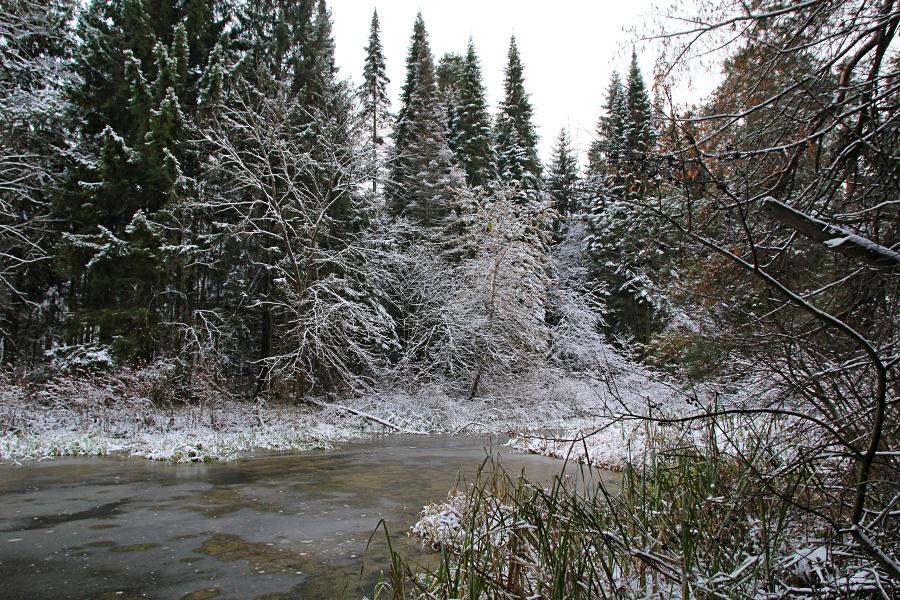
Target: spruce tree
181,57
640,135
212,85
423,174
400,170
203,30
100,99
516,138
134,53
618,152
165,145
610,127
165,72
373,92
137,21
622,240
321,56
141,98
134,106
562,175
473,143
449,73
449,77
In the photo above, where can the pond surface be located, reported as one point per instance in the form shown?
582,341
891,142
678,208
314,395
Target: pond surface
269,526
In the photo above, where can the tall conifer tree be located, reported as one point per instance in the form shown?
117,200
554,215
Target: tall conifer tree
423,174
620,235
640,135
375,101
562,175
449,77
321,55
400,168
610,127
516,138
134,107
473,144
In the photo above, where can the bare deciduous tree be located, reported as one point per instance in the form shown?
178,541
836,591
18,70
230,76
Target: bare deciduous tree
472,298
34,46
285,191
787,184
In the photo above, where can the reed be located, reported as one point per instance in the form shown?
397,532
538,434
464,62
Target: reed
687,521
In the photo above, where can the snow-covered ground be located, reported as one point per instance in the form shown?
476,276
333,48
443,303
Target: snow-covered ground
104,419
124,413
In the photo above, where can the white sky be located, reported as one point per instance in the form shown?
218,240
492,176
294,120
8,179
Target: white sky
569,49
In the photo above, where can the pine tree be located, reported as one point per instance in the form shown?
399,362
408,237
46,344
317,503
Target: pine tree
423,174
375,101
562,175
473,143
516,138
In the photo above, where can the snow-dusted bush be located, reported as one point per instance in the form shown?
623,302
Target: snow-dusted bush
441,524
472,298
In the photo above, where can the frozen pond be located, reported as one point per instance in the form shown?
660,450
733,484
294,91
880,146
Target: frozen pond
269,526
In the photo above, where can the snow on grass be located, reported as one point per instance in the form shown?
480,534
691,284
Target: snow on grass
178,435
610,447
441,524
122,415
137,413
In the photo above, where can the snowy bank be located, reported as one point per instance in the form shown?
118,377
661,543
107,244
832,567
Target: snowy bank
124,414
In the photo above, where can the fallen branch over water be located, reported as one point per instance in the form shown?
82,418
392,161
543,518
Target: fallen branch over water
368,416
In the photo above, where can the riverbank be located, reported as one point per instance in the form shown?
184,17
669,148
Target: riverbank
123,414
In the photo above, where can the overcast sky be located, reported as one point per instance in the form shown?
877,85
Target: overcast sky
569,48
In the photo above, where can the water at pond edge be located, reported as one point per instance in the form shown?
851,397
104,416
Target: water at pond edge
269,526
